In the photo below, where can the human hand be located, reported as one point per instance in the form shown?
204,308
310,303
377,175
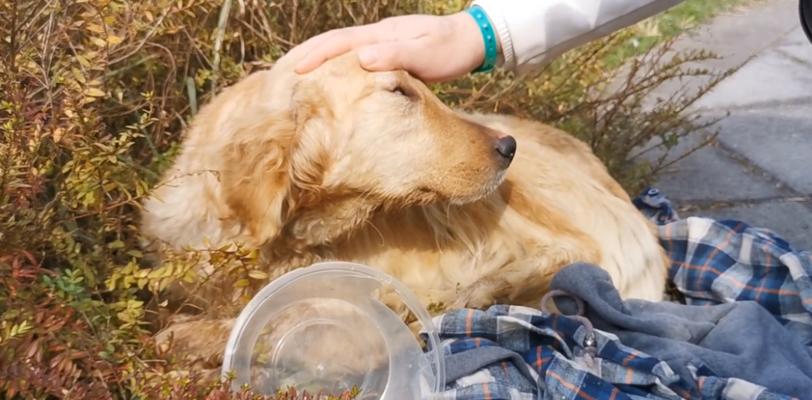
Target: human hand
432,48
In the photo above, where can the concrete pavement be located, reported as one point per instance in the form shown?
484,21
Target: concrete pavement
759,170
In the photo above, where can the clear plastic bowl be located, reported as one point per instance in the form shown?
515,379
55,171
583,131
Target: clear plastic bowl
324,329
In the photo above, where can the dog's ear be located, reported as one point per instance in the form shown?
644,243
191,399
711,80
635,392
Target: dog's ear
255,177
273,170
320,215
328,218
272,159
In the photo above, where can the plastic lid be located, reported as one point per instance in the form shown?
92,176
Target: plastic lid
324,329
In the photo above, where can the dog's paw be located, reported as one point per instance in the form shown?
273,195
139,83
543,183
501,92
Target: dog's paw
478,295
197,341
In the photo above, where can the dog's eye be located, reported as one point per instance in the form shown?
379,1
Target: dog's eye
402,91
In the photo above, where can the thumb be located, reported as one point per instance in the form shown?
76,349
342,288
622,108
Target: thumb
387,56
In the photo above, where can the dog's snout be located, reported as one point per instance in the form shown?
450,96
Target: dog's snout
506,147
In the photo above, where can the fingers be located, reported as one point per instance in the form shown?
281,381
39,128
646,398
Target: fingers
323,47
410,43
414,56
388,56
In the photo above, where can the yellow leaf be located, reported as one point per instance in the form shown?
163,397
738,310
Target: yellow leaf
124,316
94,92
110,283
242,283
258,275
98,41
82,60
95,28
114,40
57,134
135,253
190,277
77,74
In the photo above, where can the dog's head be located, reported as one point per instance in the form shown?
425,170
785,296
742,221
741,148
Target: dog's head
312,156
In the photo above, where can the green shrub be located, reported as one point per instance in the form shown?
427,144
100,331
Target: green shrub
95,95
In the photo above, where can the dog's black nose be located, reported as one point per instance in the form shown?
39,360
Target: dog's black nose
506,147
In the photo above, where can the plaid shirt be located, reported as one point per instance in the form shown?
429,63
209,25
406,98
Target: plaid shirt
712,262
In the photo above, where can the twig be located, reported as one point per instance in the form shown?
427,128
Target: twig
219,34
144,40
192,93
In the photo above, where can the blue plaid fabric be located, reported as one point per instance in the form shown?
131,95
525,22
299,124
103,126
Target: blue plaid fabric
724,261
712,262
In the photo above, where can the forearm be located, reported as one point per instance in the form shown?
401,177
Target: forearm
533,32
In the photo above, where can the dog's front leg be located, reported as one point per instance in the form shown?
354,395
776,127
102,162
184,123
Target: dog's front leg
196,341
521,282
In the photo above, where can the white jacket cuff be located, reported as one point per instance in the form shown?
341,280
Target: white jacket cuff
534,32
500,25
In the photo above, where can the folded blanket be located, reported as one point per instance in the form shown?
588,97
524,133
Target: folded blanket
744,334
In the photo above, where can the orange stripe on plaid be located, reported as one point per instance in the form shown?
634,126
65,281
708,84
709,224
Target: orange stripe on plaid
486,390
570,386
716,250
504,365
765,250
707,268
469,323
761,289
682,393
539,361
629,372
628,359
739,284
629,376
477,342
614,394
669,231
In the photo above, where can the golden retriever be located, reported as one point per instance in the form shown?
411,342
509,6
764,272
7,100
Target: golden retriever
352,165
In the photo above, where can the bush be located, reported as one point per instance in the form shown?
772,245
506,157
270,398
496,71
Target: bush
95,96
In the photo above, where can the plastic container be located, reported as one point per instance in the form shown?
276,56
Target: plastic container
323,329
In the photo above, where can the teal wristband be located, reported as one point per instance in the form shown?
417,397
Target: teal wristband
488,36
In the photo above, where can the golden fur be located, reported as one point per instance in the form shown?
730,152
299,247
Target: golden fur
368,167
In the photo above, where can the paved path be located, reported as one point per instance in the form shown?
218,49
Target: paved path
760,168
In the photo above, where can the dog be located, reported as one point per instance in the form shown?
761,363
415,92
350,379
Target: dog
467,210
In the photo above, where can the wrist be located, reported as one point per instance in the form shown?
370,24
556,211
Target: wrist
495,9
471,44
488,37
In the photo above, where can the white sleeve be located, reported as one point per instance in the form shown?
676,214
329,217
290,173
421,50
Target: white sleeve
533,32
